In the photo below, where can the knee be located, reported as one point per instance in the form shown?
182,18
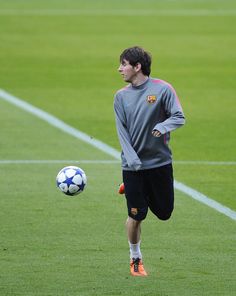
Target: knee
138,214
132,222
162,212
164,217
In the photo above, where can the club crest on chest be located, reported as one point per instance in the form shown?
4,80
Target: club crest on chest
151,99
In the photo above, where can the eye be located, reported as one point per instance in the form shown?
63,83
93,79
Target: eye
124,63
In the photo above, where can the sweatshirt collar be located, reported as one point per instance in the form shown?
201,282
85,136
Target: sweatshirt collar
141,86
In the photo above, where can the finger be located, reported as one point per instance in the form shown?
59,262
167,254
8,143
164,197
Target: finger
156,133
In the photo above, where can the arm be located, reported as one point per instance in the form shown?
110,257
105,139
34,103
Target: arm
174,112
124,138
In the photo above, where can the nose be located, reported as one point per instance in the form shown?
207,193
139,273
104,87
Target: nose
120,68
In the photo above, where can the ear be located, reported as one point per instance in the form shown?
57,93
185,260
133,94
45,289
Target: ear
138,67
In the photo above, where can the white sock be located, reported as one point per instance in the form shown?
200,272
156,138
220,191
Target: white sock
135,251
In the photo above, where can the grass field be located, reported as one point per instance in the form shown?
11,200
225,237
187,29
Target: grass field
62,56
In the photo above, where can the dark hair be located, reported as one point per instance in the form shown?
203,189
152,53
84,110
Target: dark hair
136,55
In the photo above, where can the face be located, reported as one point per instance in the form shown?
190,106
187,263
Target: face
127,71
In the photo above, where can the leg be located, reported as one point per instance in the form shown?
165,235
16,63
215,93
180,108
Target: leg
137,211
161,191
133,230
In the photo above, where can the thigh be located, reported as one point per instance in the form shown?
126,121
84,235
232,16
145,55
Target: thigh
135,192
160,184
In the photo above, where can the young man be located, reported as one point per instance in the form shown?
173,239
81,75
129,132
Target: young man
146,111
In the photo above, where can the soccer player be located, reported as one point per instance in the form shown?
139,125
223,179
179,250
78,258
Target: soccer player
146,111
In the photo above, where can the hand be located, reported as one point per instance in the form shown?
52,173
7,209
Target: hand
156,133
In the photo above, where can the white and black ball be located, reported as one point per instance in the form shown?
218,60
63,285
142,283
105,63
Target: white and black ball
71,180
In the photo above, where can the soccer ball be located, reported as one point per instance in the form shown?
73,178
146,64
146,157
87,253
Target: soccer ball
71,180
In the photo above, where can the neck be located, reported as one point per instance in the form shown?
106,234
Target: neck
138,80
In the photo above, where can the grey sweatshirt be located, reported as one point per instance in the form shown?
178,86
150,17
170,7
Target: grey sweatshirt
139,110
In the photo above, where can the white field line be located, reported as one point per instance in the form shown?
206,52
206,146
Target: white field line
205,200
56,161
118,12
202,162
52,120
106,161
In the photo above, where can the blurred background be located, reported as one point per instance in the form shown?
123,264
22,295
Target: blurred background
62,56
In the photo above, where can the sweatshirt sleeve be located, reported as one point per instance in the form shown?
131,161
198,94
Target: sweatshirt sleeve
173,110
124,138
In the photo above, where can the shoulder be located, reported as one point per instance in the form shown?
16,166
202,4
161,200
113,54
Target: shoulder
120,94
123,90
161,83
163,86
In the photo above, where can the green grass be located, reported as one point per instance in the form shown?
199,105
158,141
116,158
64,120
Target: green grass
55,245
67,65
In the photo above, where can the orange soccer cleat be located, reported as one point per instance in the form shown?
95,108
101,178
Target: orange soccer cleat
137,268
121,189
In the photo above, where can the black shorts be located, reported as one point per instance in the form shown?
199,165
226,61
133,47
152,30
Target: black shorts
153,189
